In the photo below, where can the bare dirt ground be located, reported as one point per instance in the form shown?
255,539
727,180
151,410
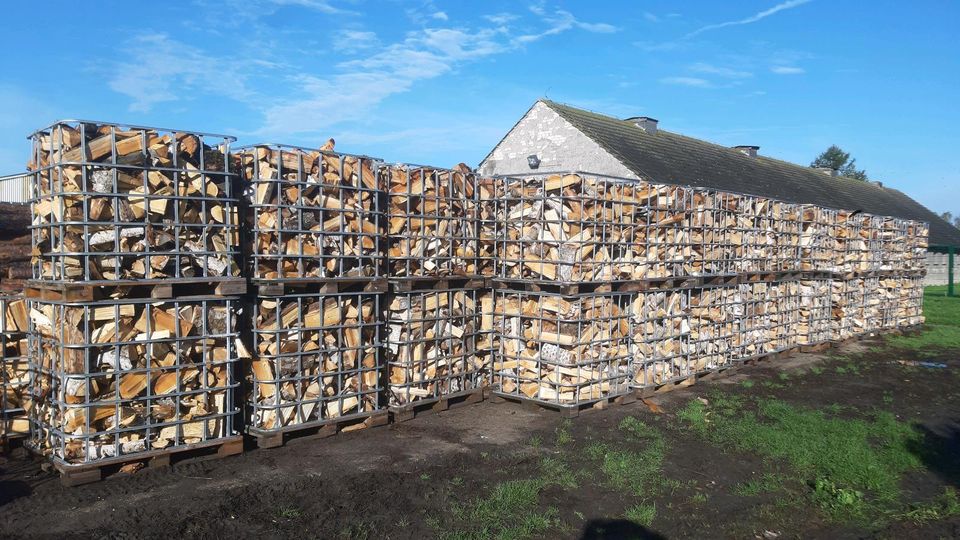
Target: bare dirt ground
499,470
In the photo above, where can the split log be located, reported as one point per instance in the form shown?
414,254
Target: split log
716,320
315,213
814,325
433,221
151,375
660,331
436,343
317,358
566,350
118,203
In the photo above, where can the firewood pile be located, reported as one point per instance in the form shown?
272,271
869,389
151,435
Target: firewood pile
862,306
14,369
118,378
15,246
433,221
317,359
561,350
124,203
437,343
316,214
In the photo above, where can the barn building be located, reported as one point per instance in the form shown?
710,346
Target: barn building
553,137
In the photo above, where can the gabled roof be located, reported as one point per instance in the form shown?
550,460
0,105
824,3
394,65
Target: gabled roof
671,158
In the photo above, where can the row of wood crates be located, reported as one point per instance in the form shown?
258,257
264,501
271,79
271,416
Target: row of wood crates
185,293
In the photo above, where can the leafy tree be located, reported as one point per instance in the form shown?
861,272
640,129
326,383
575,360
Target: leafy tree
948,217
835,158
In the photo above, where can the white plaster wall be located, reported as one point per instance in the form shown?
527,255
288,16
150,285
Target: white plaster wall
559,145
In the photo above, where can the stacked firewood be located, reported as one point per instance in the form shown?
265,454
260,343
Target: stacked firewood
817,242
120,378
127,203
716,322
317,359
660,334
14,369
433,221
437,343
562,350
316,214
814,324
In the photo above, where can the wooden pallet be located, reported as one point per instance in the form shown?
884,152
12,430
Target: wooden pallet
432,283
320,285
158,288
75,474
320,429
404,413
565,287
565,411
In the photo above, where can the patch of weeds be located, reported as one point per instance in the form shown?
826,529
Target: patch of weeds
289,512
839,456
699,498
484,455
580,515
555,471
424,477
944,506
509,511
773,385
783,376
888,398
834,408
816,370
535,442
639,472
642,514
841,370
747,384
563,433
456,481
403,523
765,484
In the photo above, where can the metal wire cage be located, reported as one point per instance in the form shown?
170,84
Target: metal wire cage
436,344
116,202
433,221
563,351
817,243
814,325
660,333
14,369
318,359
716,323
122,377
910,303
781,301
315,213
576,228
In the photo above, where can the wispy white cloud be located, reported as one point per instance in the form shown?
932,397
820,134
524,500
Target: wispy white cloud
561,21
650,17
441,16
501,18
789,4
318,5
788,70
164,70
720,71
354,40
696,82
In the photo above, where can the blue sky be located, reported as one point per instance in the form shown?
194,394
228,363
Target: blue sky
440,82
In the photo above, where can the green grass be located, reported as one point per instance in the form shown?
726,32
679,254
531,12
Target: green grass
945,506
942,329
767,483
289,512
642,514
838,457
510,511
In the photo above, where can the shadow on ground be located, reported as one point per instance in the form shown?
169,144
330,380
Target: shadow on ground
940,451
616,529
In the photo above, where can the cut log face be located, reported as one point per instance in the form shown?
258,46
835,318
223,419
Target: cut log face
14,370
129,376
432,221
316,214
116,203
559,349
317,358
871,304
716,320
436,344
660,331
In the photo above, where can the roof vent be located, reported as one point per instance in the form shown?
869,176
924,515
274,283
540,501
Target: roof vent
645,123
827,171
747,150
